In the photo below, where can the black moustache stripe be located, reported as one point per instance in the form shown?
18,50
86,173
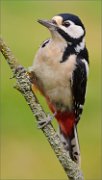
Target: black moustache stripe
68,38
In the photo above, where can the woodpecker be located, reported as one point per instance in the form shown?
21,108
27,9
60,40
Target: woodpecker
61,68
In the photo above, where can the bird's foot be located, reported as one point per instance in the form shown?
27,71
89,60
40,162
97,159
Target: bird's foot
19,69
43,122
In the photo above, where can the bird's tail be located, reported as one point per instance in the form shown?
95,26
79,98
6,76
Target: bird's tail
71,143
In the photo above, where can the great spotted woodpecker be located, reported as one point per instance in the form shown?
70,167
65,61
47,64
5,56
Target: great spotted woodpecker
61,67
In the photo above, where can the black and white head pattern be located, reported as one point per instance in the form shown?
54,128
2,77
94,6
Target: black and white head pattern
70,27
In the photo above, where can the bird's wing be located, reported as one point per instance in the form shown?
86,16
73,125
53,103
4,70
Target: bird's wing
79,83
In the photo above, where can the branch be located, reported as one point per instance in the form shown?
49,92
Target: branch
24,86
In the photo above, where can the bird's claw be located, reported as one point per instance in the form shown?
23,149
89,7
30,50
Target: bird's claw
43,122
19,69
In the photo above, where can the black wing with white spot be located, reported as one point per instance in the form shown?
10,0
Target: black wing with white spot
79,83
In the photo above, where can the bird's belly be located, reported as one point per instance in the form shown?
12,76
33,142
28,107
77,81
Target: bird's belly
56,85
55,78
60,97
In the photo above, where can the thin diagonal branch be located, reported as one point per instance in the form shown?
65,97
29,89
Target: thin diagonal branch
72,170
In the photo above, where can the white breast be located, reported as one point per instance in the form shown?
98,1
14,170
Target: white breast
55,76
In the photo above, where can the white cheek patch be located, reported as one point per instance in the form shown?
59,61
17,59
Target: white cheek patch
73,31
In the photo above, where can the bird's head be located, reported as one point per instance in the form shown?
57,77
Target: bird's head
66,26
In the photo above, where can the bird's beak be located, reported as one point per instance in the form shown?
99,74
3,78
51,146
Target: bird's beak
47,23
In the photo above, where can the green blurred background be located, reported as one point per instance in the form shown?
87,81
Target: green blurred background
25,152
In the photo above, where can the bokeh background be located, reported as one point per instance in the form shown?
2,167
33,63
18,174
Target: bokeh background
25,152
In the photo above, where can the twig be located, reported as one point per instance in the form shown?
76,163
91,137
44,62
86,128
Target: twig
24,86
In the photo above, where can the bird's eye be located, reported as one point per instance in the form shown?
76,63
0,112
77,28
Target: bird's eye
66,24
